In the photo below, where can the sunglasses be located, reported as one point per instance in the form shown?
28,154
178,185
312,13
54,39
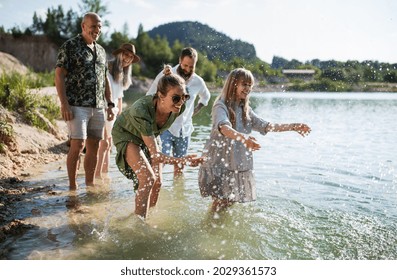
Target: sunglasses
177,98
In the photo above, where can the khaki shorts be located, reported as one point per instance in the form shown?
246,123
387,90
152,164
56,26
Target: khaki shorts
87,123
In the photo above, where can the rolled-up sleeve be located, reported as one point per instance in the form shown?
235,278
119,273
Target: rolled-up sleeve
62,58
204,95
220,115
258,124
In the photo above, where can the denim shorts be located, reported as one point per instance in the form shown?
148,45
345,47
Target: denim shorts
178,145
86,123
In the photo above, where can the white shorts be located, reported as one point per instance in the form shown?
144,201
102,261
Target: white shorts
86,123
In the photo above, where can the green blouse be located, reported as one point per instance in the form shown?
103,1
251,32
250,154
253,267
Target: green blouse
133,123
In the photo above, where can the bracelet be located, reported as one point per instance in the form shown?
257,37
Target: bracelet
111,104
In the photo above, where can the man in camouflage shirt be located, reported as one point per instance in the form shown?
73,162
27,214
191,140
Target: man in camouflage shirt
83,88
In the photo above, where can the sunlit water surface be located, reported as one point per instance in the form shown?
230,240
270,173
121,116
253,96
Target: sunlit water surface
331,195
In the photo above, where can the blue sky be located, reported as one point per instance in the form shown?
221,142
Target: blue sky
303,30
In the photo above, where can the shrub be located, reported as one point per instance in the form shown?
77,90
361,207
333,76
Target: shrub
15,96
6,135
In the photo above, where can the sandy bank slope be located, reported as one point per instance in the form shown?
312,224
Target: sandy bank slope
31,147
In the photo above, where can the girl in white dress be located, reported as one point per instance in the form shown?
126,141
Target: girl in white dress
227,173
120,79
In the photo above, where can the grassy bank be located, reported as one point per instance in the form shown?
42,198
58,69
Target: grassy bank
35,110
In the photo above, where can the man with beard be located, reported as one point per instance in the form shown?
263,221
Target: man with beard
177,137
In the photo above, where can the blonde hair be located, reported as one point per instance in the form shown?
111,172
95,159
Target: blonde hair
228,94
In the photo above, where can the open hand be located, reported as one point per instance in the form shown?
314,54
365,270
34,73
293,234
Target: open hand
66,112
110,114
193,160
302,129
252,144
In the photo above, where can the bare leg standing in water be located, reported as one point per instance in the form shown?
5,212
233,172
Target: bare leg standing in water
149,179
90,161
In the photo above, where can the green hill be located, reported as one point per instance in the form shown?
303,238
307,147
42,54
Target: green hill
205,39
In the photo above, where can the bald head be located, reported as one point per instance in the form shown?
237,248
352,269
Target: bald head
91,15
91,27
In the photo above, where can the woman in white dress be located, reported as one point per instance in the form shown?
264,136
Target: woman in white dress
120,79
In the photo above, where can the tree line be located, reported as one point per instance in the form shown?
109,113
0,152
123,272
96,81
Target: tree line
60,25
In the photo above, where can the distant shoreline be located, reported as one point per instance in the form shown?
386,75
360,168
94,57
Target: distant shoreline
369,87
141,85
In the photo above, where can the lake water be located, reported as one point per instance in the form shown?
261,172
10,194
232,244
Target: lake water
331,195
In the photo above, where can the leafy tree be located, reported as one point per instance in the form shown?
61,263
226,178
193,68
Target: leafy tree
236,62
293,64
118,38
330,64
371,75
279,62
334,74
95,6
205,39
58,26
155,53
390,77
176,50
206,69
16,31
37,25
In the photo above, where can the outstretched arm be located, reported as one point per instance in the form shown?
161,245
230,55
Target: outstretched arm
249,141
301,128
158,157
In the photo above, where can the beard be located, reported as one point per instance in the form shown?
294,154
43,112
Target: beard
183,74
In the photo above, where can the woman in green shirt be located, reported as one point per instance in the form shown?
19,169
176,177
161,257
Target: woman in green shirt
134,133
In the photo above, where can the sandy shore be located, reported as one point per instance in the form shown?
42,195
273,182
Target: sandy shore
26,154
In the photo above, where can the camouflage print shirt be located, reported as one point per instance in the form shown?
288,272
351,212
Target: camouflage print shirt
86,72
